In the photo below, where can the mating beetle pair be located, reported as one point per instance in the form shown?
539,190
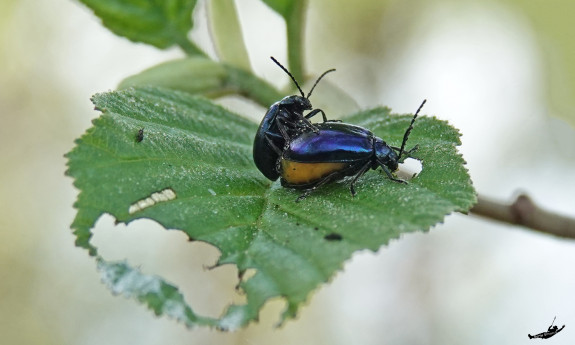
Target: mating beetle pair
307,156
283,121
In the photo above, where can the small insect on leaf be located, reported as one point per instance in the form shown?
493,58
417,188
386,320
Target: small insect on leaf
140,135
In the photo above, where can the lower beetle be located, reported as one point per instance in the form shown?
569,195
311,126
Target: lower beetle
311,160
283,120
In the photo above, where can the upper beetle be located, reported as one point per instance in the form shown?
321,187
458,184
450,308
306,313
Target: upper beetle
283,120
338,150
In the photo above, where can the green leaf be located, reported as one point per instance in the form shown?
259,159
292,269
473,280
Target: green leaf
159,296
198,75
161,23
193,171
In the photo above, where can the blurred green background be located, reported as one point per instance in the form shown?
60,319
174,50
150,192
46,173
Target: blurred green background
502,72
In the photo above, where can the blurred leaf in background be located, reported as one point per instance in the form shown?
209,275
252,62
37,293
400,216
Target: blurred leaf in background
156,22
375,35
552,23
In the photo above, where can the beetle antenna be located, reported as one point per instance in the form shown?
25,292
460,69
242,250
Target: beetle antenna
318,79
288,73
406,135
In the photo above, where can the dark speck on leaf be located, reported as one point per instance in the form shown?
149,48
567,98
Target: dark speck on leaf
333,237
140,135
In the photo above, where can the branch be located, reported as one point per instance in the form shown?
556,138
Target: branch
523,211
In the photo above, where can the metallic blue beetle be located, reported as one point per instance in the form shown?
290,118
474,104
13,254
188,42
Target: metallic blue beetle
283,120
311,159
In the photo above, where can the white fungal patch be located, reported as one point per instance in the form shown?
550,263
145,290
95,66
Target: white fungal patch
161,196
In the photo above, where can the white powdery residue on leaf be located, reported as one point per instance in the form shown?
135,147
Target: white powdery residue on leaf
175,309
211,191
128,282
233,320
141,284
161,196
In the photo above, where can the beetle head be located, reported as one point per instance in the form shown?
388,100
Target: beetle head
296,103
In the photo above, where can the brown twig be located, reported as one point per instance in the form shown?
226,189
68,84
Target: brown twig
523,211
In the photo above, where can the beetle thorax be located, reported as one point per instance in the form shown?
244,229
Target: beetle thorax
385,154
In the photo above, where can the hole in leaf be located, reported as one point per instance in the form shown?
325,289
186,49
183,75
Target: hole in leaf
148,247
410,168
247,274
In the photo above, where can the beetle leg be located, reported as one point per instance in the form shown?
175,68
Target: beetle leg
303,195
284,122
357,176
335,176
282,128
407,153
415,148
309,124
272,145
314,113
389,174
331,177
320,183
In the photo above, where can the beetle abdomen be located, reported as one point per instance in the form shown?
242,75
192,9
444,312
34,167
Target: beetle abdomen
297,173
